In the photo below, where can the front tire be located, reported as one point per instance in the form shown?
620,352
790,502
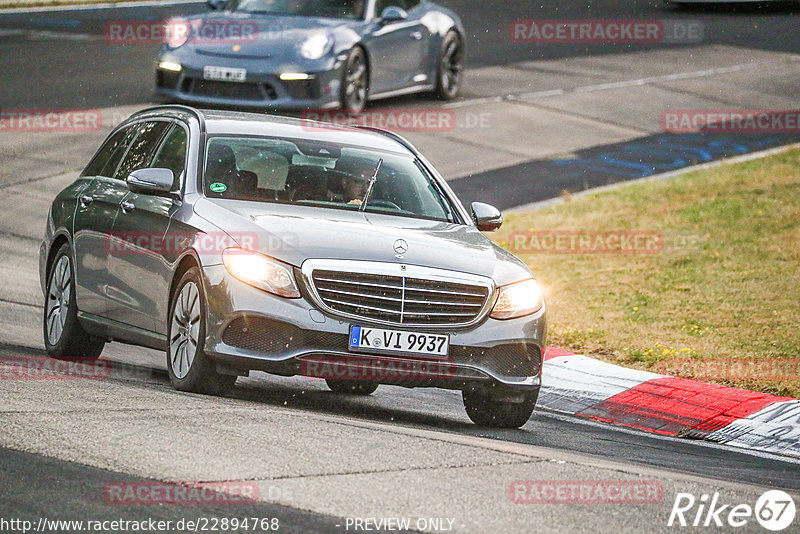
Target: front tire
483,410
355,82
352,387
450,69
189,367
64,337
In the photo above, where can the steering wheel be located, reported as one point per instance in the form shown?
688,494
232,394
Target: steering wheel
384,204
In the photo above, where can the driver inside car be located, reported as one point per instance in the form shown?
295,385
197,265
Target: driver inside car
358,173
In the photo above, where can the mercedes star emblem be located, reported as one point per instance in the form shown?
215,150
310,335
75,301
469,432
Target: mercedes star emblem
400,247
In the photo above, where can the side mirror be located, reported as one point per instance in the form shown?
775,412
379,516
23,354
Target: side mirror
393,14
151,181
215,4
487,218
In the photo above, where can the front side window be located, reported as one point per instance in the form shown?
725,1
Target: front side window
141,151
407,5
322,174
108,157
172,154
339,9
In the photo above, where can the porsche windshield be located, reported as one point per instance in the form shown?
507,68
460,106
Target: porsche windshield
340,9
321,174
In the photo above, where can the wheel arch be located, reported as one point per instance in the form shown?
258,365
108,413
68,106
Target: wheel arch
58,241
184,264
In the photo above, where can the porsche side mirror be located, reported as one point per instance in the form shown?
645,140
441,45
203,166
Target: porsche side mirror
393,14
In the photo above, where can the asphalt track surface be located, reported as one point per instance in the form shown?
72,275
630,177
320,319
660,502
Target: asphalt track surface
71,66
36,487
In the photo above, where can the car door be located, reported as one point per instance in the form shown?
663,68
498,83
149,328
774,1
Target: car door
137,235
398,48
94,217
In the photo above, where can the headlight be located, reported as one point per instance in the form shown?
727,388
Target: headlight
316,46
261,272
517,300
178,32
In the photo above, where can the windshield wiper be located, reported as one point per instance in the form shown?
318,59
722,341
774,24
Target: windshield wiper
371,186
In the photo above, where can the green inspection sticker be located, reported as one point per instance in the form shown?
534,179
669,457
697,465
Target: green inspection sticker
218,187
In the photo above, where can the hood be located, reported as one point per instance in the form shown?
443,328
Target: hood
275,36
294,234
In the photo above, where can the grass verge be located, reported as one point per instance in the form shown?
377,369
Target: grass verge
712,290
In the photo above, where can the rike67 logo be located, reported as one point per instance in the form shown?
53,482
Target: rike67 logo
774,510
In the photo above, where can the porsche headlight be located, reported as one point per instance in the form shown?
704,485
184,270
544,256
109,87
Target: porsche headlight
316,46
261,272
517,300
178,32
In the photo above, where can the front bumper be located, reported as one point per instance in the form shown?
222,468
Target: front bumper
262,88
249,329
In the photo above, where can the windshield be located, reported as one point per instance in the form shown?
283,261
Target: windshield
322,174
339,9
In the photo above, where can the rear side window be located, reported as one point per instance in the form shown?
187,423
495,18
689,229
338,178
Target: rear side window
141,151
111,152
172,154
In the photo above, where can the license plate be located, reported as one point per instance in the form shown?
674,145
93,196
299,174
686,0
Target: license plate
366,339
224,74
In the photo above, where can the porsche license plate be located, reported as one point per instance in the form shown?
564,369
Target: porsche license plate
224,74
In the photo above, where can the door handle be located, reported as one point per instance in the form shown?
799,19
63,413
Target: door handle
127,206
417,35
86,200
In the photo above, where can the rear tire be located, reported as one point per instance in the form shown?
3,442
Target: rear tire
189,367
485,411
450,69
354,91
64,337
352,387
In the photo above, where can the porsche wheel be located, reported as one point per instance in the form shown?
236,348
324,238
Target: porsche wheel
355,82
451,67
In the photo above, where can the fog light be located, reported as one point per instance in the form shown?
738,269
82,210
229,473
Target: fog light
294,76
168,65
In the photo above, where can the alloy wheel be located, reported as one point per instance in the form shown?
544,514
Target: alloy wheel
356,83
451,67
185,330
58,298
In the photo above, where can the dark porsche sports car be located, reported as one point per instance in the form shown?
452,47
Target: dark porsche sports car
311,54
239,242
